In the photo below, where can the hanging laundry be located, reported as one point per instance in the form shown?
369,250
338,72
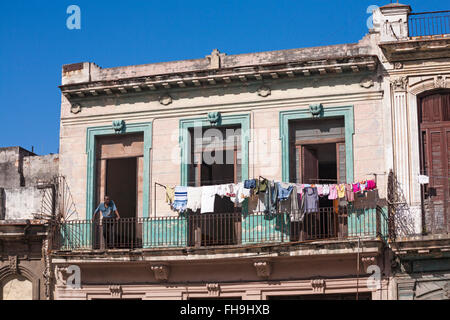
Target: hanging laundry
356,187
341,190
284,191
274,197
256,203
170,195
349,193
311,200
362,185
180,199
208,197
320,189
262,186
333,192
371,184
194,196
250,184
325,190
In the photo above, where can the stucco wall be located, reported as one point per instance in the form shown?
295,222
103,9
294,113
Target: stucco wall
264,146
22,203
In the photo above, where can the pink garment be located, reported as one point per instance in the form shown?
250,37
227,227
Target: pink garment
371,185
349,193
356,187
333,192
320,190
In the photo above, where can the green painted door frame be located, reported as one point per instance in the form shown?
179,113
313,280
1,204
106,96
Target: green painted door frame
91,134
303,114
185,124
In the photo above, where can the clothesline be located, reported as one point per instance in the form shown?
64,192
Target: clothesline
275,195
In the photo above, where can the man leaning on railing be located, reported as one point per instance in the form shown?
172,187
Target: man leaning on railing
110,215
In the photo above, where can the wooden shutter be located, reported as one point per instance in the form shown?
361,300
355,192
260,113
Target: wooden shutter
341,162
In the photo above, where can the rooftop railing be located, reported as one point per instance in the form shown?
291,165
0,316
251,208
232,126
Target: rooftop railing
429,24
221,229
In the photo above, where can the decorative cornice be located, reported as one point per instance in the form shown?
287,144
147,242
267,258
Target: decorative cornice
414,49
219,76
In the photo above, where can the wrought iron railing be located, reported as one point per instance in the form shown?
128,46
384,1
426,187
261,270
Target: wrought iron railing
224,229
429,24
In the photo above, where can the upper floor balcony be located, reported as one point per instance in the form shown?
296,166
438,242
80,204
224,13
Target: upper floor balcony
223,230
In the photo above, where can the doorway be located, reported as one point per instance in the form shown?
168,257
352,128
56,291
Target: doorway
120,176
121,181
434,128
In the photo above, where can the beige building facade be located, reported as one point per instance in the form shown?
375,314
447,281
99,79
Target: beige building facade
351,110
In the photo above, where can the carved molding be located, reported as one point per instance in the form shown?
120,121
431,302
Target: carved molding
367,261
318,285
263,268
366,83
214,118
116,291
399,84
161,272
215,59
61,275
165,100
14,264
118,126
398,65
316,110
75,108
264,91
431,83
213,289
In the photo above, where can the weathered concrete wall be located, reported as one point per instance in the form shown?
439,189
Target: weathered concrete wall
11,169
22,203
38,169
22,260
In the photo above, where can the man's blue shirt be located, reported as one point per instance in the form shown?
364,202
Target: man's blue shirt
107,212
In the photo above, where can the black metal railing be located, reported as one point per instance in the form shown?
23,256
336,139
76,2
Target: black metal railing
221,229
429,24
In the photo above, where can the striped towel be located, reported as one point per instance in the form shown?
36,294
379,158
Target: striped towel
180,201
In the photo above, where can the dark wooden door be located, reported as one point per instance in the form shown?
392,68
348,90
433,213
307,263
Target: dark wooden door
434,115
310,165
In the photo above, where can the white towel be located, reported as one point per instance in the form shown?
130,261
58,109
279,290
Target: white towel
194,201
208,197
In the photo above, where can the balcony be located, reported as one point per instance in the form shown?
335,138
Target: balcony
220,230
427,24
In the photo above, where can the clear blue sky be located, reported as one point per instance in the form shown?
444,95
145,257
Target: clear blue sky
35,43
